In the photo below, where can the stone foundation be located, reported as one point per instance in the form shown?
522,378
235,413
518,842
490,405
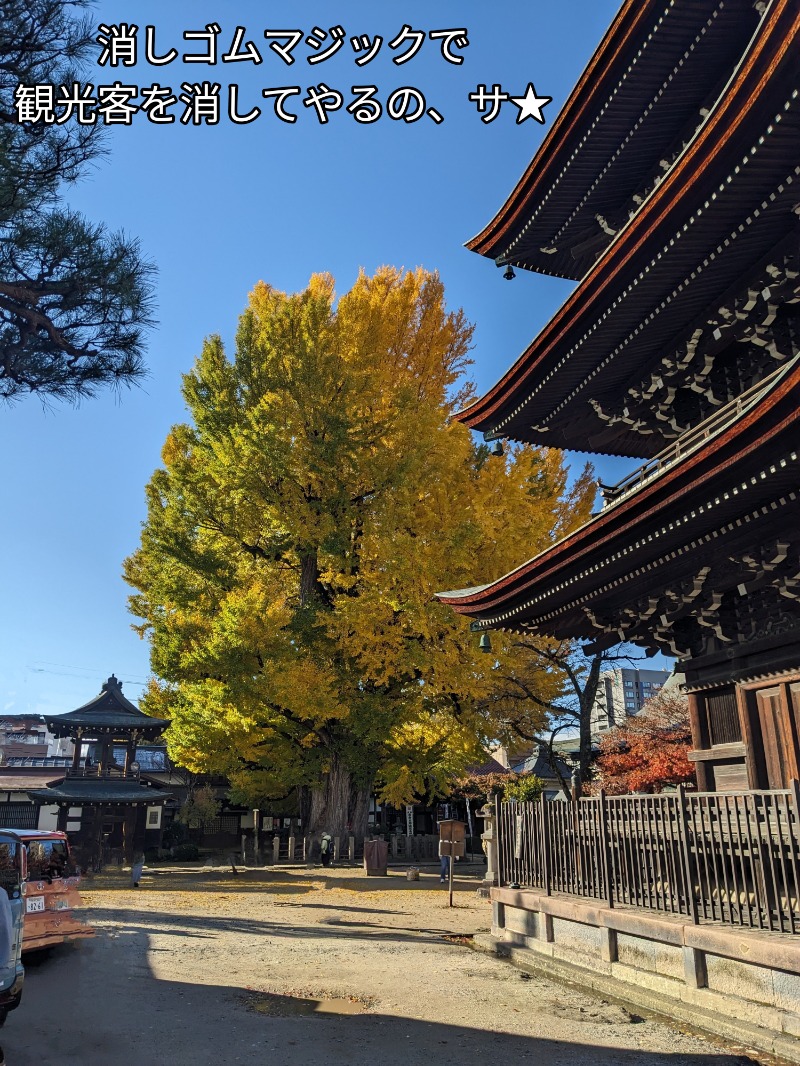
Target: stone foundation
739,984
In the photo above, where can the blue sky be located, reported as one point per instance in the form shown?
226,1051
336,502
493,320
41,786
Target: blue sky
218,208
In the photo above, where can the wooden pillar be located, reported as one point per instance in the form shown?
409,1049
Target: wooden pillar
76,755
699,739
140,830
129,833
61,821
94,824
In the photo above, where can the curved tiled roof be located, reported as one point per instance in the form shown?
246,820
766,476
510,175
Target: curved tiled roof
109,711
724,205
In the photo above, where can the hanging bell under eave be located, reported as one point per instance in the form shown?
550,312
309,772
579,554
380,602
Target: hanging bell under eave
497,449
485,643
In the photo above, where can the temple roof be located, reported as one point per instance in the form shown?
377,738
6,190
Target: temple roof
537,763
717,520
23,778
647,86
723,207
91,791
108,712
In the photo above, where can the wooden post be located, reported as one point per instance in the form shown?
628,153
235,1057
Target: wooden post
543,804
499,871
450,886
688,872
606,846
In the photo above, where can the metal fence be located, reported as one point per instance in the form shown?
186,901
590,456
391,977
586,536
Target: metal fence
709,856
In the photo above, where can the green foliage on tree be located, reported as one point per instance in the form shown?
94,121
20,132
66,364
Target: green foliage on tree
74,298
524,788
297,533
199,809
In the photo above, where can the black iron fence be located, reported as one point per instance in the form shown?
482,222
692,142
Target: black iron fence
710,856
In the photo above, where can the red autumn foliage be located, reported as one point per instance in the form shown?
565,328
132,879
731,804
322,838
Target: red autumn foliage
650,751
482,785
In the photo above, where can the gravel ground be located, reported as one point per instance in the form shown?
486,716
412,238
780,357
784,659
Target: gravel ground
295,966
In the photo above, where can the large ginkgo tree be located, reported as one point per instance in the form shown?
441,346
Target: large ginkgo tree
297,532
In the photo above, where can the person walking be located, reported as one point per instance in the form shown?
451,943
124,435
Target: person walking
137,869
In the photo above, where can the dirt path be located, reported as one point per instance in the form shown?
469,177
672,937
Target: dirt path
296,967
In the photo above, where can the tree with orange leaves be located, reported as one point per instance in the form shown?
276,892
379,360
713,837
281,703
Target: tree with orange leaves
648,752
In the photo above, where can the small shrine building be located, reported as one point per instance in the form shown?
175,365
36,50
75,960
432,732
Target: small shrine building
103,802
669,188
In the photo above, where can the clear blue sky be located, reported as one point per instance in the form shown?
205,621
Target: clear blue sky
217,209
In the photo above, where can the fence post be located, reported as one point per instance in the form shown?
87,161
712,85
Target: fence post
687,858
606,846
276,850
794,788
291,847
545,846
498,841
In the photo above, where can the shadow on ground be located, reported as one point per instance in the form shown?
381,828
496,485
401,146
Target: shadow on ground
99,1004
275,881
204,926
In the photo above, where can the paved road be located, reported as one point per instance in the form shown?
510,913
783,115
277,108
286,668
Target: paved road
303,968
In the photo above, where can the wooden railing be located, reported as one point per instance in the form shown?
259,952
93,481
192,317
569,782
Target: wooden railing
115,773
722,857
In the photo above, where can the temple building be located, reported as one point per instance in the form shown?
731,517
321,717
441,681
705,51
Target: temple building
103,802
669,188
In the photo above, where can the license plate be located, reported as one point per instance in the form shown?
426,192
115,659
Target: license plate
34,903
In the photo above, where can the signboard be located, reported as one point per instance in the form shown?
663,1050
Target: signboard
410,819
456,848
452,829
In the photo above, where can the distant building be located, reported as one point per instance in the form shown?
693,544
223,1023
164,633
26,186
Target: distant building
26,736
622,694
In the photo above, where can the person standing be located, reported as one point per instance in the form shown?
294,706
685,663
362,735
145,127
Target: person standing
444,860
326,849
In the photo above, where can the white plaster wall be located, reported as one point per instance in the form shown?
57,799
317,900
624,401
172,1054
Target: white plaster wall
48,818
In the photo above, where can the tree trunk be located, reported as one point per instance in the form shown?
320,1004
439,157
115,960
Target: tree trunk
330,803
309,575
587,699
337,806
359,810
